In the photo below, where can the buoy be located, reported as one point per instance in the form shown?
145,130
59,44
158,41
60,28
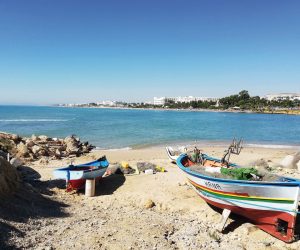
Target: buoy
90,187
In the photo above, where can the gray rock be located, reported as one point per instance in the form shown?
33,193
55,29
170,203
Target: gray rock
72,146
298,166
16,162
15,138
22,149
291,161
29,143
58,152
35,149
43,152
34,138
43,138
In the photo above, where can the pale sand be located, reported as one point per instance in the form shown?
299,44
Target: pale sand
116,218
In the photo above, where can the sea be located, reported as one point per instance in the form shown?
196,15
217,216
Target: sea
136,128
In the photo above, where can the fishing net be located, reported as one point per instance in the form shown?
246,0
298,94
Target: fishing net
240,173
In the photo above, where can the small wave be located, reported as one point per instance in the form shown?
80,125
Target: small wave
271,146
33,120
112,149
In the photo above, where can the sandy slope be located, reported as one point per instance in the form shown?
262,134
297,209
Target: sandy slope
116,218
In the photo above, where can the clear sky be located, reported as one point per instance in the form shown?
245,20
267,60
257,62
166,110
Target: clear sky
54,51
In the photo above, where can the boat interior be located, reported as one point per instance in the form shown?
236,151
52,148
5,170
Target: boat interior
209,167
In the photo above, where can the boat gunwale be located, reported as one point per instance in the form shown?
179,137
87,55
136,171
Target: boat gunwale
292,181
77,168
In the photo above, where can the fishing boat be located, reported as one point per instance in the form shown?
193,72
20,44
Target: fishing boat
271,205
173,154
76,175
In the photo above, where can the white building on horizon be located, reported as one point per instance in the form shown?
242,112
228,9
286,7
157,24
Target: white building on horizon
159,100
283,96
187,99
107,103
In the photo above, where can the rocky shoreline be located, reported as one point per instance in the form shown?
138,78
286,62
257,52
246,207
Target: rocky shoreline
27,149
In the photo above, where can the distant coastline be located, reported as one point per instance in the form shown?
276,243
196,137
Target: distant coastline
279,111
239,103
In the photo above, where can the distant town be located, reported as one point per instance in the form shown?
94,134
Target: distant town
271,103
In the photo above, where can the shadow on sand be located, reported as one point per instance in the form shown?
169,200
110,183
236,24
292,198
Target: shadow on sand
108,185
32,201
236,222
239,220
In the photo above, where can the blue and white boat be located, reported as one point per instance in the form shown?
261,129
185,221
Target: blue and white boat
76,175
271,205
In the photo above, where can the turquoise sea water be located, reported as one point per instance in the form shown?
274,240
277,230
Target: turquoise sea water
116,128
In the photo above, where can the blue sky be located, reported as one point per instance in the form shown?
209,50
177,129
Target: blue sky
78,51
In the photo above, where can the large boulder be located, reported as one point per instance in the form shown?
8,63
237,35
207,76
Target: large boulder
16,162
290,161
6,143
15,138
9,178
43,138
29,143
22,150
72,146
34,138
35,149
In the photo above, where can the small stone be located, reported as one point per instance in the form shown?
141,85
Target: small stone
43,160
149,203
251,229
58,152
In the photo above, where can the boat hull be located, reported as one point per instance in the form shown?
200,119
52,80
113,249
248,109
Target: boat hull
76,176
174,154
77,184
264,219
272,206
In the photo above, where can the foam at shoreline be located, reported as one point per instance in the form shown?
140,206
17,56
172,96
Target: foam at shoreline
112,149
33,120
218,144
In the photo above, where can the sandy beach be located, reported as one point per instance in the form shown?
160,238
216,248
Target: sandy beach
43,216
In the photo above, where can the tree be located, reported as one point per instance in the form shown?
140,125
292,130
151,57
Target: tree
244,95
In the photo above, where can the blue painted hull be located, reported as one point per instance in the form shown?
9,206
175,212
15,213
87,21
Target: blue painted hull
90,170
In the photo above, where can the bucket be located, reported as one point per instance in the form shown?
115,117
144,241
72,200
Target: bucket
90,187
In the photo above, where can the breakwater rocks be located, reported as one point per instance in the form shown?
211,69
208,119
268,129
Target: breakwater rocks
41,147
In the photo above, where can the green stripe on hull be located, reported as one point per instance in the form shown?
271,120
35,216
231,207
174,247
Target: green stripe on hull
245,198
